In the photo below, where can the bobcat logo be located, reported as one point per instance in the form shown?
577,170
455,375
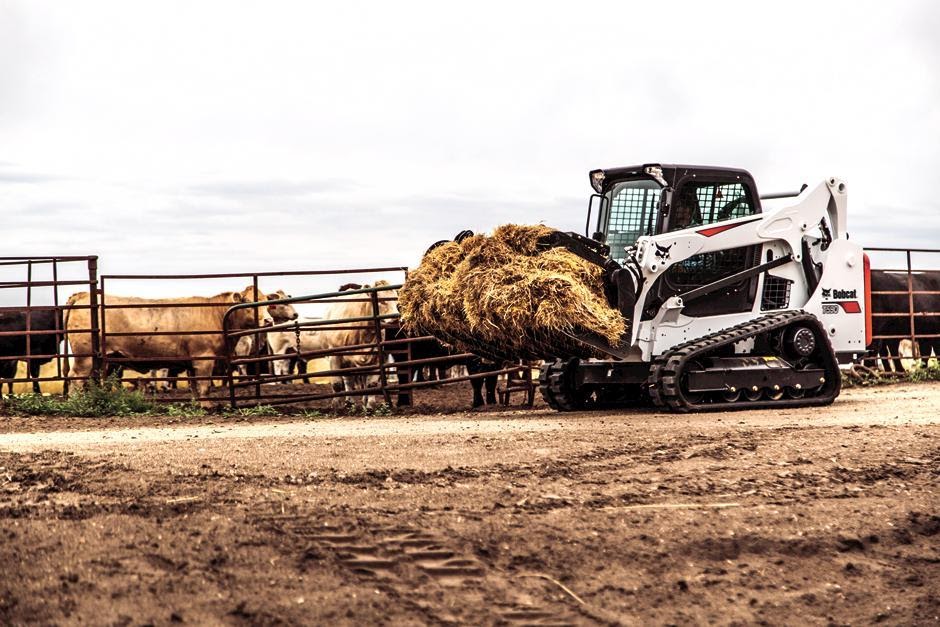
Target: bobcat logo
838,294
663,251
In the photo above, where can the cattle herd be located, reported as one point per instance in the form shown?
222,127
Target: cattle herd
166,339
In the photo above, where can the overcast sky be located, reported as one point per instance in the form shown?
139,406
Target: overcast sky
219,136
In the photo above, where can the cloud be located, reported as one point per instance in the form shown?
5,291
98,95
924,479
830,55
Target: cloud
11,175
306,136
271,188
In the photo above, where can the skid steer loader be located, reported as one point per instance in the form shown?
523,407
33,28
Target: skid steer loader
729,306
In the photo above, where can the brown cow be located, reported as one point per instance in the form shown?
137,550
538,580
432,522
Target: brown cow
204,349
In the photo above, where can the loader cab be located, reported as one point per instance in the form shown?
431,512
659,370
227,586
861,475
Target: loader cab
653,199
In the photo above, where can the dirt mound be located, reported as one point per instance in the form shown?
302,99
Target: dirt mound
507,290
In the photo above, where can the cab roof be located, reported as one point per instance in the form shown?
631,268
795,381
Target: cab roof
673,173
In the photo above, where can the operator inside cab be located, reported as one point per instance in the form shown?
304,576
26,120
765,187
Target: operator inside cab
685,212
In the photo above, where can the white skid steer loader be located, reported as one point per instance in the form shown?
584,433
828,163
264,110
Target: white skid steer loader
730,307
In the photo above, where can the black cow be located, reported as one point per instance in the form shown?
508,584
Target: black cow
431,349
882,281
8,371
14,346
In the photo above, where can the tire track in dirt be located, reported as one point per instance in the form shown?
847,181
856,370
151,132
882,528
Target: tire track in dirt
419,565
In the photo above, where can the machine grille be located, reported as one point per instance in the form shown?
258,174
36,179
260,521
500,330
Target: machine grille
776,293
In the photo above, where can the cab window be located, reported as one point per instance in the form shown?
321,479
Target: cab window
705,203
633,207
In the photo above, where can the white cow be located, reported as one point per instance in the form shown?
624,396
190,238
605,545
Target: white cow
319,338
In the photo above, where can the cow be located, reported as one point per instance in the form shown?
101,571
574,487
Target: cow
200,314
354,334
14,346
883,281
325,338
431,349
245,347
171,371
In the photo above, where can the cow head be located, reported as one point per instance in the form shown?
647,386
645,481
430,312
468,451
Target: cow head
245,318
281,312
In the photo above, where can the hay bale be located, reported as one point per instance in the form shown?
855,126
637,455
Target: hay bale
504,290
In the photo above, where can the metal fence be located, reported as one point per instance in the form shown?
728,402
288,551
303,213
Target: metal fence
363,349
114,333
126,323
34,305
908,309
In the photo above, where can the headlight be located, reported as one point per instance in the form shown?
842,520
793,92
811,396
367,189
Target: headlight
597,180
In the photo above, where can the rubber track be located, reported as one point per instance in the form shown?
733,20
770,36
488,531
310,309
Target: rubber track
666,370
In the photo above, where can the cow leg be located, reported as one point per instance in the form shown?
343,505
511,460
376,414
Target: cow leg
280,370
404,396
302,368
34,366
339,386
477,392
80,371
200,388
7,371
877,352
491,389
338,382
280,367
357,382
374,382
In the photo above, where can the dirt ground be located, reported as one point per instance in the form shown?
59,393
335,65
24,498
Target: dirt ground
815,516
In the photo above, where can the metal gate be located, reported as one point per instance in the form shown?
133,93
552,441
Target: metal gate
379,371
33,311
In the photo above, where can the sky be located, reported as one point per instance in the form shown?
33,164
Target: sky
197,136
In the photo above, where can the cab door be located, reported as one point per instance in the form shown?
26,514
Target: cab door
697,203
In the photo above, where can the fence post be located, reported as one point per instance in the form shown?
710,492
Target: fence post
60,341
374,297
256,343
229,351
915,350
94,313
29,320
